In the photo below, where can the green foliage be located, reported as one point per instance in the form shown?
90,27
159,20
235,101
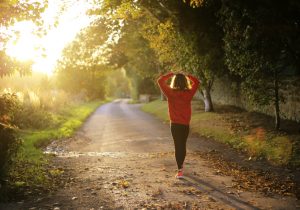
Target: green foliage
137,57
33,82
87,51
23,115
147,86
30,116
9,142
81,70
86,84
132,51
164,39
184,44
8,65
9,103
12,10
118,85
260,43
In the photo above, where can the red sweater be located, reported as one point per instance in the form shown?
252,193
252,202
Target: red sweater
179,101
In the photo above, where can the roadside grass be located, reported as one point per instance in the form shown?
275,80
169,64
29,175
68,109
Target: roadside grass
69,120
133,101
250,132
158,108
30,167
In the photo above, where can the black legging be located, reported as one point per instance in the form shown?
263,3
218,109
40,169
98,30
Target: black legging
180,134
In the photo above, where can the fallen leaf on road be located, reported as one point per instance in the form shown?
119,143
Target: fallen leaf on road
124,183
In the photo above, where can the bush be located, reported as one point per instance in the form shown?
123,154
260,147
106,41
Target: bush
9,143
9,104
33,117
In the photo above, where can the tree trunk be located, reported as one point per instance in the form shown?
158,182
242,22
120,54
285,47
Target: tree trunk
207,100
276,101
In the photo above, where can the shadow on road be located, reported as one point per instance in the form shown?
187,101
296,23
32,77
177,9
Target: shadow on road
217,193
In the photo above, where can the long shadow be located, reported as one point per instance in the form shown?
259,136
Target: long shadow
218,194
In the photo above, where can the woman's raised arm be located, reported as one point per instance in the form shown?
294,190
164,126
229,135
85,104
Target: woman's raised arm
195,84
162,82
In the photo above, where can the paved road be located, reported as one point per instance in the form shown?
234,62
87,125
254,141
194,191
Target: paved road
122,127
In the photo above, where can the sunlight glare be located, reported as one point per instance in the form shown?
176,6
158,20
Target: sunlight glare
23,46
62,21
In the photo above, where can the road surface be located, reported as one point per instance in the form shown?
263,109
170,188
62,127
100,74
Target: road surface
123,158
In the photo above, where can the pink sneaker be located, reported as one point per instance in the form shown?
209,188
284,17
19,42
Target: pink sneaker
179,174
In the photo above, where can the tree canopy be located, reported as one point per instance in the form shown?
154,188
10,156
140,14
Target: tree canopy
261,41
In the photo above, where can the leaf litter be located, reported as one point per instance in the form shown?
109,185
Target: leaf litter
245,178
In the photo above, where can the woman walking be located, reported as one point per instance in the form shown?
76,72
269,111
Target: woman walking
179,95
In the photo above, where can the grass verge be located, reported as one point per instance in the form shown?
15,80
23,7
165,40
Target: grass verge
69,120
247,131
30,168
